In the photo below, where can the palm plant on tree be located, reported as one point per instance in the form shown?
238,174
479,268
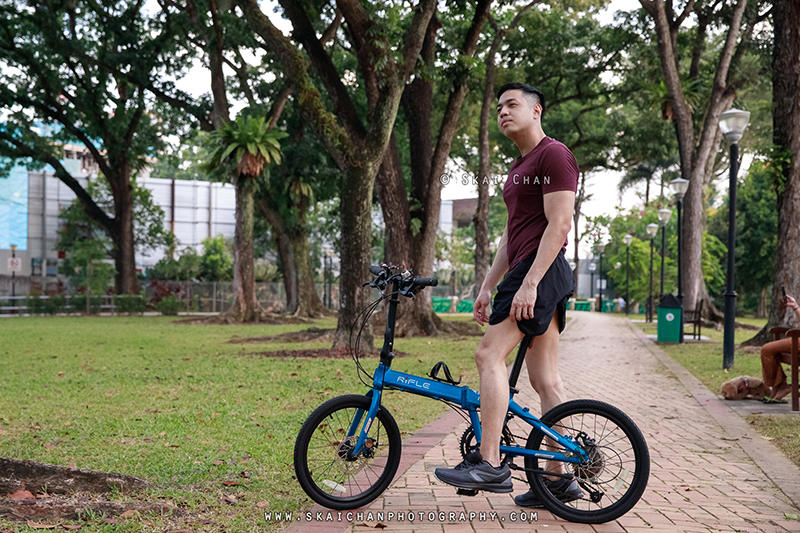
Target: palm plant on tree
251,145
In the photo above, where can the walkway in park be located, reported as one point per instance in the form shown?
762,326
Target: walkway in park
709,471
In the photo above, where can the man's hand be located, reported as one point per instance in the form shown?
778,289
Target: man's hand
523,303
481,306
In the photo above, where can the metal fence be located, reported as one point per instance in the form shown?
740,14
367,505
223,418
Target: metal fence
199,297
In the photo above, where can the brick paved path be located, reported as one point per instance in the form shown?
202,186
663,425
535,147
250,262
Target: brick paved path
701,477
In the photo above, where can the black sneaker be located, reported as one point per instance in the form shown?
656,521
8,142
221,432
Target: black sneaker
566,490
475,473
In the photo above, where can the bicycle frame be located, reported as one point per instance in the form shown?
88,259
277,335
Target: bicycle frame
387,379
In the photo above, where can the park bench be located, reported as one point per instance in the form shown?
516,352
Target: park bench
792,358
695,318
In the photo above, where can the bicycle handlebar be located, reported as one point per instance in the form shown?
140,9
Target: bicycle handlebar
409,284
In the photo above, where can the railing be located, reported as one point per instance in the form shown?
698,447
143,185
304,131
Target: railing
199,297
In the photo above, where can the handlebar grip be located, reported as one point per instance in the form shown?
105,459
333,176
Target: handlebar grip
375,269
426,282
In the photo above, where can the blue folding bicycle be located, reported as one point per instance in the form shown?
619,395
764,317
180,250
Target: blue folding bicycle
348,450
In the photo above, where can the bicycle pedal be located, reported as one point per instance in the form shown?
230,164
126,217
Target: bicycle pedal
467,492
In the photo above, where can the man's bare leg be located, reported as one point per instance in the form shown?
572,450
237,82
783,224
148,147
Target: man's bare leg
542,363
490,357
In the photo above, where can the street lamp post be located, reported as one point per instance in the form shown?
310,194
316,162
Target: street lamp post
627,239
652,229
325,293
732,123
601,248
13,280
679,187
663,216
592,268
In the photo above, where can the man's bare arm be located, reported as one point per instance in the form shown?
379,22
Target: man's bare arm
558,207
499,266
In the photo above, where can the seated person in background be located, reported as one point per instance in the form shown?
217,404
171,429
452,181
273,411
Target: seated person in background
771,369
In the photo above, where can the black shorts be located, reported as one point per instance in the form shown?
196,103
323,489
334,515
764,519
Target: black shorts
552,294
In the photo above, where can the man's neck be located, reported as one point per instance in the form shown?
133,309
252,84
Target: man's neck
529,141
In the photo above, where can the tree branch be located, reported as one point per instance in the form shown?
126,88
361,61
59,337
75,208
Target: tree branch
342,104
327,129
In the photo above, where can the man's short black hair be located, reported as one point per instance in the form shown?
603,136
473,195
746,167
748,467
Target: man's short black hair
526,90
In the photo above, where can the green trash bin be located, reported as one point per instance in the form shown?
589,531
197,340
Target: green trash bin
669,319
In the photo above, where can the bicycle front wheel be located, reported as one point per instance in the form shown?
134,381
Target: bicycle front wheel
323,460
616,473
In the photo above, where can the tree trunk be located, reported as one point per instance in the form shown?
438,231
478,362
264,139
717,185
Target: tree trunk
481,218
761,312
308,303
245,306
786,139
126,281
356,213
393,199
285,252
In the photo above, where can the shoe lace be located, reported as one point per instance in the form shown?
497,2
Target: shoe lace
470,460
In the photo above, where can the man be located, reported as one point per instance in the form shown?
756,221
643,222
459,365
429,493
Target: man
540,196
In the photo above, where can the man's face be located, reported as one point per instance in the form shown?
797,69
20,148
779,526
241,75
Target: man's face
515,113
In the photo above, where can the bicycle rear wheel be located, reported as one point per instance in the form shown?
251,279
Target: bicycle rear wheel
616,474
323,460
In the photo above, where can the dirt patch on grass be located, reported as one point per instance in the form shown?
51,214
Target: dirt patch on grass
270,319
44,509
16,475
305,335
71,493
322,353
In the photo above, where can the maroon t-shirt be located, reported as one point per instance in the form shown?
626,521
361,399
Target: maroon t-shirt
549,167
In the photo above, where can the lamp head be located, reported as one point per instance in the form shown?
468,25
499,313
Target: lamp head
732,123
601,248
679,187
627,239
592,267
664,215
652,229
617,265
13,247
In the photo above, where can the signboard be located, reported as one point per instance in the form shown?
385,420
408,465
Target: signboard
15,264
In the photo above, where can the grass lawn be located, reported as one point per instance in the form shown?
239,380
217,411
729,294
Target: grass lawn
181,406
704,361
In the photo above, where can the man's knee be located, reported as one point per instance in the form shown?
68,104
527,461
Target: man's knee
487,357
543,384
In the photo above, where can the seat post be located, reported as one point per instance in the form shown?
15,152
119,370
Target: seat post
526,343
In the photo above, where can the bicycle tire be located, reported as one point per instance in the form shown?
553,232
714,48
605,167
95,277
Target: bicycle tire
331,476
618,449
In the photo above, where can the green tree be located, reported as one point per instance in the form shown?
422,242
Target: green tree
58,85
756,234
250,145
702,68
383,50
85,240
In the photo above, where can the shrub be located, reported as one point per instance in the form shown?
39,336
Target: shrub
58,303
170,306
78,303
130,303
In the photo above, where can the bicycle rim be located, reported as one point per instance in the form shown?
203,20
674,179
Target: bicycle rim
324,464
616,474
